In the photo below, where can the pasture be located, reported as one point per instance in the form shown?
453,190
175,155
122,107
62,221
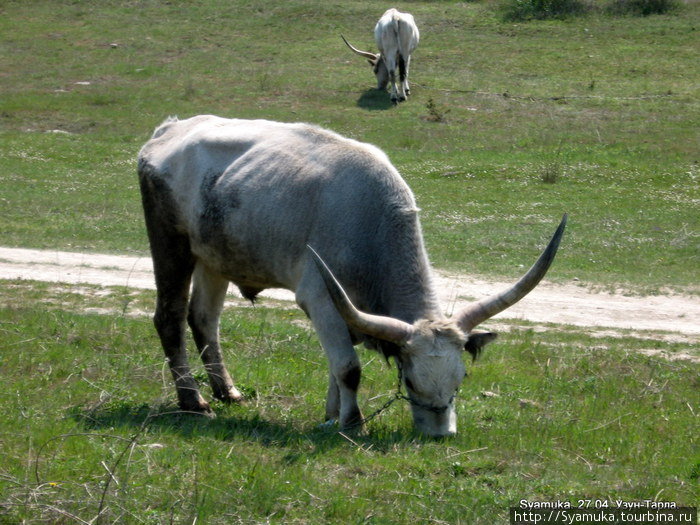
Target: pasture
509,125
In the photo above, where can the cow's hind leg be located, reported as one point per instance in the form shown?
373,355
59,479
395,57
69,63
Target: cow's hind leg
170,324
391,68
404,67
173,263
173,272
395,95
402,79
208,293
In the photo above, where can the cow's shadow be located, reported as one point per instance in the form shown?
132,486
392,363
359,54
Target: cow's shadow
375,100
228,426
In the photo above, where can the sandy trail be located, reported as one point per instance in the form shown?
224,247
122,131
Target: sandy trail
669,317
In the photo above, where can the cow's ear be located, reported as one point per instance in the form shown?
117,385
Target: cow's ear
477,340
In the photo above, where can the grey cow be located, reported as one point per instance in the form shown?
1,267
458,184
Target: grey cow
258,203
397,37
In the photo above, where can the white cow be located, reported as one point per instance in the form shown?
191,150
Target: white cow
243,201
397,37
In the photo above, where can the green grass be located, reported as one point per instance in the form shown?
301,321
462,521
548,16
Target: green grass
604,106
509,126
91,424
524,10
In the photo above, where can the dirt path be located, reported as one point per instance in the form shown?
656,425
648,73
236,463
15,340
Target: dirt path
674,317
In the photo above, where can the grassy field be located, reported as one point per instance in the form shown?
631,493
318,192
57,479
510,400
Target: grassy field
509,126
604,108
543,416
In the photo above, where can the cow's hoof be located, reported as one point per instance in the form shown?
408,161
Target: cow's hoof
209,414
357,430
354,424
329,424
230,396
198,406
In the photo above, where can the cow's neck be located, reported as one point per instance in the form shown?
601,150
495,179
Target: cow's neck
413,296
409,292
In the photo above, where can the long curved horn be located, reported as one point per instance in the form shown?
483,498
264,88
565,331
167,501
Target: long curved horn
478,312
378,326
366,54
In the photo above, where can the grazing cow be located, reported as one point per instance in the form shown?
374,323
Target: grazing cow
397,37
257,203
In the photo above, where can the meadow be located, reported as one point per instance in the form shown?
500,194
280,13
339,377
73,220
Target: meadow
509,125
91,433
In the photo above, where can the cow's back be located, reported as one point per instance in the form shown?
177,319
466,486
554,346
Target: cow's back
396,32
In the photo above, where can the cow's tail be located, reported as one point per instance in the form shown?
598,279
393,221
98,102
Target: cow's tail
401,61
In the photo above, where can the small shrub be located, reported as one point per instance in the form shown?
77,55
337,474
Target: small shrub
435,113
641,7
521,10
550,173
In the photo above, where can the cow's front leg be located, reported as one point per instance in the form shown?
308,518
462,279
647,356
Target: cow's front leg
208,294
345,370
332,400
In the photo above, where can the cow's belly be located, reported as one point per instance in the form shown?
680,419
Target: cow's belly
245,266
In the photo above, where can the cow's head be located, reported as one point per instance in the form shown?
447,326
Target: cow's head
430,351
375,61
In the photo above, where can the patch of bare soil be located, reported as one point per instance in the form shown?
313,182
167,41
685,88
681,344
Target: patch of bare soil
667,317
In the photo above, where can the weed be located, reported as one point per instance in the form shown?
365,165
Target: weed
641,7
436,113
591,84
551,173
189,90
521,10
